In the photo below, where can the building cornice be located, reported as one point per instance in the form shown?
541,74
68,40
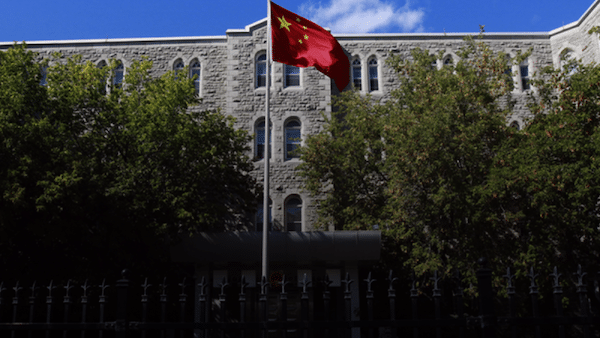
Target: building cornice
117,42
575,23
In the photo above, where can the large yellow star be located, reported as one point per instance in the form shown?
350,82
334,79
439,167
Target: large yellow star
284,23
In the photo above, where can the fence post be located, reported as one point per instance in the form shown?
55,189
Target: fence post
414,299
370,297
242,301
304,306
121,315
348,304
33,288
101,302
583,299
223,305
163,305
437,295
486,301
558,300
67,304
262,303
533,291
392,300
145,287
182,303
511,292
84,302
458,300
202,299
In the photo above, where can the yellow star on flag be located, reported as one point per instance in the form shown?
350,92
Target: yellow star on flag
284,23
305,37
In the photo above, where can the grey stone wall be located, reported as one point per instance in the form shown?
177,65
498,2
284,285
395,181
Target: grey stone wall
575,37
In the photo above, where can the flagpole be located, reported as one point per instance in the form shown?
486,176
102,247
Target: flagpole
267,152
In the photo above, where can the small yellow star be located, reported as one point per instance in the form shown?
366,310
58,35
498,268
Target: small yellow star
284,23
305,37
298,19
300,41
304,27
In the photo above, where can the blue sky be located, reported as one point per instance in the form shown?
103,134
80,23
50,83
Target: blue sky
33,20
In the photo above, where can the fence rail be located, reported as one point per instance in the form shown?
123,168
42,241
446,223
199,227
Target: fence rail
121,310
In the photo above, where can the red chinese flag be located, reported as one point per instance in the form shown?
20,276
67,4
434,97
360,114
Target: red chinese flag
302,43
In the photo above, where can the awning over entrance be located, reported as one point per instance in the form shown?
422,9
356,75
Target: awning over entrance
245,247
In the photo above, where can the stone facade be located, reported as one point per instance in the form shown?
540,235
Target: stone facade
228,79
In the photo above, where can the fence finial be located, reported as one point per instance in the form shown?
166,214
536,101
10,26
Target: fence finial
348,281
369,281
556,275
183,285
533,288
392,279
305,283
243,284
146,286
264,285
202,286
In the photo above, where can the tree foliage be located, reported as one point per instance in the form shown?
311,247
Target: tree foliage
438,168
109,174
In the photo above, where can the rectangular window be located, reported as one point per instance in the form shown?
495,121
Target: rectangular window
525,77
373,81
356,78
292,76
260,142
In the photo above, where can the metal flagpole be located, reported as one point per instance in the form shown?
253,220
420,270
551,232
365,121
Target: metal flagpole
267,151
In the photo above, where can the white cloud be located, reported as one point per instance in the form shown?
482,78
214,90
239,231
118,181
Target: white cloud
364,16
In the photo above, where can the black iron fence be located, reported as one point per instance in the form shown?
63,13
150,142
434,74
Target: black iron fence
186,309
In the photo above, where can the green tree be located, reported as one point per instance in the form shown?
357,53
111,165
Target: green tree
109,175
442,135
345,164
419,165
546,176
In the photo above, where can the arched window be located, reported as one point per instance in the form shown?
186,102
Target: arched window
44,76
259,140
448,61
357,74
101,65
568,61
293,139
293,214
118,75
373,76
195,72
178,66
434,64
524,73
261,70
292,76
260,211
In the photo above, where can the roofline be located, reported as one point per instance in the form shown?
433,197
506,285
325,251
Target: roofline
248,28
575,23
155,40
413,36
